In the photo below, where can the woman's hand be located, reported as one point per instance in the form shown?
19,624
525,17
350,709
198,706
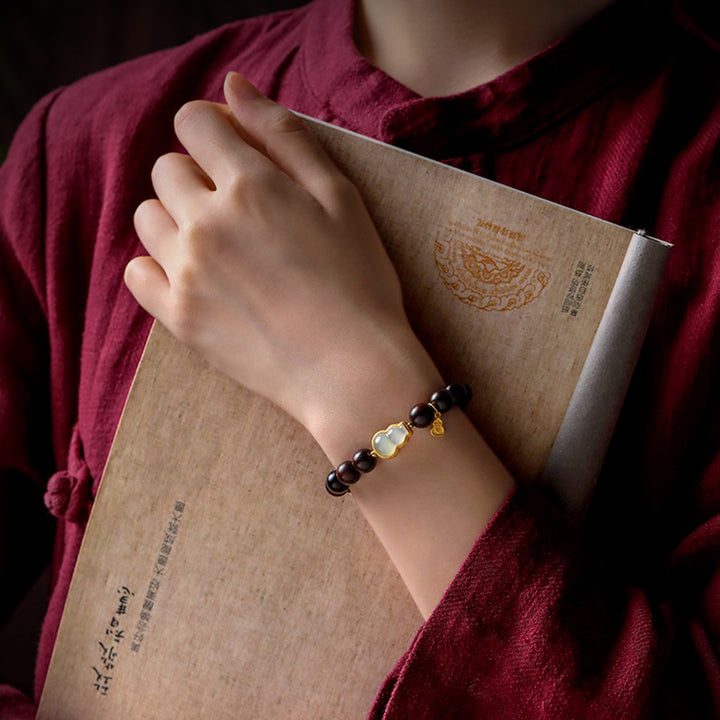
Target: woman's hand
264,259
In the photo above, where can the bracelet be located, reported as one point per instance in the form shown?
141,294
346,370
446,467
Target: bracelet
386,443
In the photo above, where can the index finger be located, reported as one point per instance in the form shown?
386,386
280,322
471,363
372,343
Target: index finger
283,137
213,140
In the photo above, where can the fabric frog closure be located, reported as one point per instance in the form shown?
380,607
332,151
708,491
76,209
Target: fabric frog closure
68,492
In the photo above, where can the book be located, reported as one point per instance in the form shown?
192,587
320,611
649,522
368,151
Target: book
218,579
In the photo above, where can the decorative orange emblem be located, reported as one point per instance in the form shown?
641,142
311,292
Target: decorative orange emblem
487,280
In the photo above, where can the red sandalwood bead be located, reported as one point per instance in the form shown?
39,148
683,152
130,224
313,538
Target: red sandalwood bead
334,486
442,400
347,473
422,415
364,460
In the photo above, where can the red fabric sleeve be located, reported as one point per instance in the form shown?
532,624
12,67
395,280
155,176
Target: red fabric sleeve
14,705
533,627
26,457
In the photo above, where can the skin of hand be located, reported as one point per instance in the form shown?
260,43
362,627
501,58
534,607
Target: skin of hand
264,259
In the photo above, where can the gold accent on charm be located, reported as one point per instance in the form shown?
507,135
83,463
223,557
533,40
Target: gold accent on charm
437,429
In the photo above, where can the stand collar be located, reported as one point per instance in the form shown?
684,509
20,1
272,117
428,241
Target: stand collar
523,101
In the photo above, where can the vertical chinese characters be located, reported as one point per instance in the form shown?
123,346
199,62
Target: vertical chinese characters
110,644
160,566
578,287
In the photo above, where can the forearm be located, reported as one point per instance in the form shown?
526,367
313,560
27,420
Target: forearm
429,504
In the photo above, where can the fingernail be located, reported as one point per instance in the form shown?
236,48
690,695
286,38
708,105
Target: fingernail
239,86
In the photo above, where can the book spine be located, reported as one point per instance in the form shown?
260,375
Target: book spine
578,452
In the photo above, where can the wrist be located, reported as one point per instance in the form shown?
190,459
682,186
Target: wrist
378,387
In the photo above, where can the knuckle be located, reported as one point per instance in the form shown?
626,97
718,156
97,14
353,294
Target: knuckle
132,272
202,249
141,213
185,285
192,112
183,320
239,182
179,311
198,230
186,298
249,181
158,167
341,192
186,113
283,122
163,166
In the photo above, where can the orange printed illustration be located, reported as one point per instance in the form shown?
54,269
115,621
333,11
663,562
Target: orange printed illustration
489,271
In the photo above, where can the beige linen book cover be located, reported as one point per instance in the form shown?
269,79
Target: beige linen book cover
217,579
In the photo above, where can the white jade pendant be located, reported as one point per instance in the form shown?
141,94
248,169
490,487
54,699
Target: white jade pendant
386,443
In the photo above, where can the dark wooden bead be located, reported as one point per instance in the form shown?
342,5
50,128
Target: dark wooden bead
347,473
334,486
422,415
364,461
461,394
442,400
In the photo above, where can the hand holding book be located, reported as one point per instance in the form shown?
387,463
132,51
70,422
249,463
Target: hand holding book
263,259
268,575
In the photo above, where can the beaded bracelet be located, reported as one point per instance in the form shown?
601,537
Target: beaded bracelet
387,443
